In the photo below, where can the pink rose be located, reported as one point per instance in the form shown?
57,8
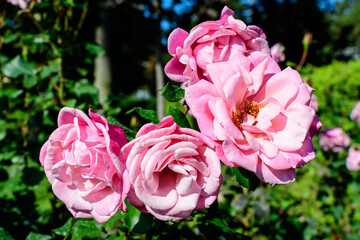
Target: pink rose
21,3
355,113
172,170
81,161
277,52
209,42
260,114
353,159
334,139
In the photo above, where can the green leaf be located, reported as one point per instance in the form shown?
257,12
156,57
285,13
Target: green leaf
32,176
132,217
18,115
83,87
37,236
245,178
29,81
5,235
146,114
130,134
95,49
11,93
179,117
64,229
9,38
144,224
85,228
48,70
17,66
218,222
172,92
2,135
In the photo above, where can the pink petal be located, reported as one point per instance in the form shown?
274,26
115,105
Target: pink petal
238,158
225,13
221,113
279,87
174,70
272,176
176,39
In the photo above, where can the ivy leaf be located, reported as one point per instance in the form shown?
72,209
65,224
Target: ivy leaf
179,117
245,178
172,92
146,114
17,66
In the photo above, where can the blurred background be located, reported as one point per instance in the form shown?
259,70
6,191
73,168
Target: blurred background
109,56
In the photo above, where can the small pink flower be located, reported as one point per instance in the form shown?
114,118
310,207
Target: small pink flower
353,159
355,114
172,170
209,42
260,114
81,161
334,139
21,3
277,52
314,103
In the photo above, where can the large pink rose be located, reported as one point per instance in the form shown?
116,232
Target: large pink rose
81,161
334,139
172,170
260,114
353,159
210,42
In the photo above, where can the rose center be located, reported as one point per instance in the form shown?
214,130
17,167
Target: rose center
244,109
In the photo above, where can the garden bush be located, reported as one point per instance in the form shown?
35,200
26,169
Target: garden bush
47,59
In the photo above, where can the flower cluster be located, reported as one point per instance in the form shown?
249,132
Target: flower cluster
334,139
251,115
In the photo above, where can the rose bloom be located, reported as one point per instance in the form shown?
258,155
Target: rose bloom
209,42
172,170
355,113
21,3
277,52
259,114
81,161
353,158
334,139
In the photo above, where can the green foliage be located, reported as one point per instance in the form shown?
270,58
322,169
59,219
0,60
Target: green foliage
179,117
172,92
147,114
47,62
245,178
